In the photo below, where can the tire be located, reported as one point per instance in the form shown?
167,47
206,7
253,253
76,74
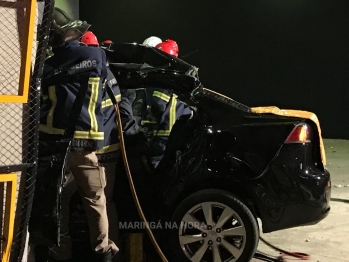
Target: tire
227,213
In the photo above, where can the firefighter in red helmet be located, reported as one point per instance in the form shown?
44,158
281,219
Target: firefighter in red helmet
169,46
108,158
107,44
89,39
173,44
166,108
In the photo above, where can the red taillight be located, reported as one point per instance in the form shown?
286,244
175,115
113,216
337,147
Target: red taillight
300,134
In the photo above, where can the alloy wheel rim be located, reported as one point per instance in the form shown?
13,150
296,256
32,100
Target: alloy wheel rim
212,232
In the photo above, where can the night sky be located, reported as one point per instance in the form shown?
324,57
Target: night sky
287,53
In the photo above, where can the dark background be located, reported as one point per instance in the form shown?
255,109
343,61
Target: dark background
288,53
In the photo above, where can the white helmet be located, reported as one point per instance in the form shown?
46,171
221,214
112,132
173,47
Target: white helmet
152,41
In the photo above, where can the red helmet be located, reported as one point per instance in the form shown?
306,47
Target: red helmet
172,43
167,48
107,44
89,38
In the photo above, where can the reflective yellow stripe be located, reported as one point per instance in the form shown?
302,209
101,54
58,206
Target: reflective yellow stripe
108,149
78,134
173,112
50,130
108,101
89,135
162,96
53,98
94,82
143,122
172,120
162,133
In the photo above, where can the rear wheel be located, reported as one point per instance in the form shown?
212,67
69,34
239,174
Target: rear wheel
213,226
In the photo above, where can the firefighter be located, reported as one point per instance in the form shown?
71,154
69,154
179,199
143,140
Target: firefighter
169,46
89,39
128,96
129,123
152,41
166,109
109,155
141,107
107,44
60,84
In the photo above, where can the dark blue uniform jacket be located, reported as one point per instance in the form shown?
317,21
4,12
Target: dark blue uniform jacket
60,84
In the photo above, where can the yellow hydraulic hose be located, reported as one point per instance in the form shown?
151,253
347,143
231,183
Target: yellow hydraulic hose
133,189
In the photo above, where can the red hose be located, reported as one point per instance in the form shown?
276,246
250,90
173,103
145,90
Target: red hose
301,256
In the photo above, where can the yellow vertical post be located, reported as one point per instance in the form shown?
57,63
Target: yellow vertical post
135,247
26,56
9,218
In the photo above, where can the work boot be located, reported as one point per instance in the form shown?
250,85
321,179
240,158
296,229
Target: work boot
105,257
55,260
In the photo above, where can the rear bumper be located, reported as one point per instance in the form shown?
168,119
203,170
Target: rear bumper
315,205
295,194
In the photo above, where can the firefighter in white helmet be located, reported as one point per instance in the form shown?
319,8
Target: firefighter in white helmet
152,41
160,106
